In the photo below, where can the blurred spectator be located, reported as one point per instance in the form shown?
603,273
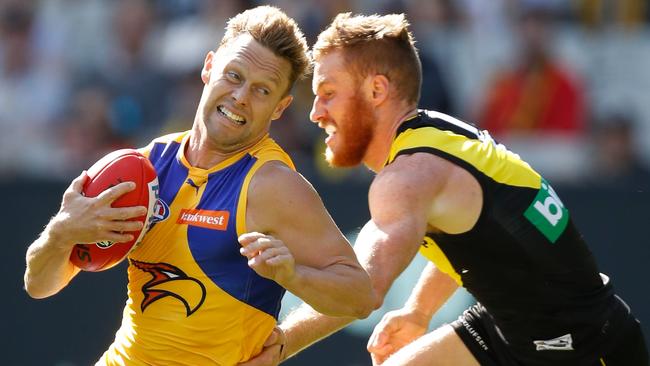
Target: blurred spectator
434,94
538,95
616,162
429,18
75,32
138,87
121,71
485,17
182,102
184,40
629,14
314,15
86,134
174,10
32,91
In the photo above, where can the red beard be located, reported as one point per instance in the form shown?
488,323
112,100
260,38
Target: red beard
355,131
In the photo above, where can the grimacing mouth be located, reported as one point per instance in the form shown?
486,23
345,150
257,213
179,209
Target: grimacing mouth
232,116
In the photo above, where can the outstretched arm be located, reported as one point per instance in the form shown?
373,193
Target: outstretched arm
384,251
305,326
79,220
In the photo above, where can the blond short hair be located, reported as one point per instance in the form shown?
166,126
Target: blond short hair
375,44
275,30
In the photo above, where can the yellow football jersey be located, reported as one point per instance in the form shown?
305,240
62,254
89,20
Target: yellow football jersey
192,299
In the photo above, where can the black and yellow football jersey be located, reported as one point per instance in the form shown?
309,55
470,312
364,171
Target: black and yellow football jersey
524,259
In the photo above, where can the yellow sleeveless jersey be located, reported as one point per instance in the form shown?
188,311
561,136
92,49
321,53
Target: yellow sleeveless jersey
192,299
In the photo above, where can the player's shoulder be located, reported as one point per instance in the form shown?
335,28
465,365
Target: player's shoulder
415,166
165,140
273,173
268,150
417,173
277,176
278,194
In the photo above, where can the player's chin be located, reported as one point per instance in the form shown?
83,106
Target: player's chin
341,159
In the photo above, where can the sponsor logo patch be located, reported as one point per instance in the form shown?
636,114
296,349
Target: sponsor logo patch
104,244
548,213
215,220
562,343
474,334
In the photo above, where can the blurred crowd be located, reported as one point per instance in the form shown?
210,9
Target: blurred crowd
564,83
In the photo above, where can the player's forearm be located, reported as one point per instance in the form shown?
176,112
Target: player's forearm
338,290
48,265
431,292
304,326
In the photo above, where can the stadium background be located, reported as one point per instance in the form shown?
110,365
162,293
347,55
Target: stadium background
80,78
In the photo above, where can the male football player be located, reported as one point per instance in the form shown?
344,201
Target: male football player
208,291
484,218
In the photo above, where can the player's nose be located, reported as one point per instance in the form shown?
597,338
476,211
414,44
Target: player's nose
240,95
317,112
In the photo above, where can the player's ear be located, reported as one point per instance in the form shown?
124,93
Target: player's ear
378,87
207,67
282,105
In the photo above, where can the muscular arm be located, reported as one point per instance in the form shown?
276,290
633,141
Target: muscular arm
326,274
399,199
400,327
432,291
305,326
48,267
79,220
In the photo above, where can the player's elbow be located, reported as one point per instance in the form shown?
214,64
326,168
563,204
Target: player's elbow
363,313
359,304
379,291
36,290
366,303
378,301
351,309
364,309
366,299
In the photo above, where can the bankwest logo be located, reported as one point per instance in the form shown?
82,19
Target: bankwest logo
215,220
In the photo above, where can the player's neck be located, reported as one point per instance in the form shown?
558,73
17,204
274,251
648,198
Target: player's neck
201,154
385,130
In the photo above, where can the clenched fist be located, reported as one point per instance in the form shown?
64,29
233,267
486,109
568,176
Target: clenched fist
268,256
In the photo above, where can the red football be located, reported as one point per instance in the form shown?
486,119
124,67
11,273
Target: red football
126,165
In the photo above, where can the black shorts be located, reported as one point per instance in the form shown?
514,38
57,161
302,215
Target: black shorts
477,330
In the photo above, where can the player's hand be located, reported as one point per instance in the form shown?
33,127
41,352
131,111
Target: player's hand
271,354
82,220
395,330
268,256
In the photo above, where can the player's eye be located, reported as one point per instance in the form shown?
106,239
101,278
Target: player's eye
264,91
233,76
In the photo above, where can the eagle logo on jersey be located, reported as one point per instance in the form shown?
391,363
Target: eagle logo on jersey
169,280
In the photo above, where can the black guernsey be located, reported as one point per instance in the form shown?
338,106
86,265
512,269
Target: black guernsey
524,260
